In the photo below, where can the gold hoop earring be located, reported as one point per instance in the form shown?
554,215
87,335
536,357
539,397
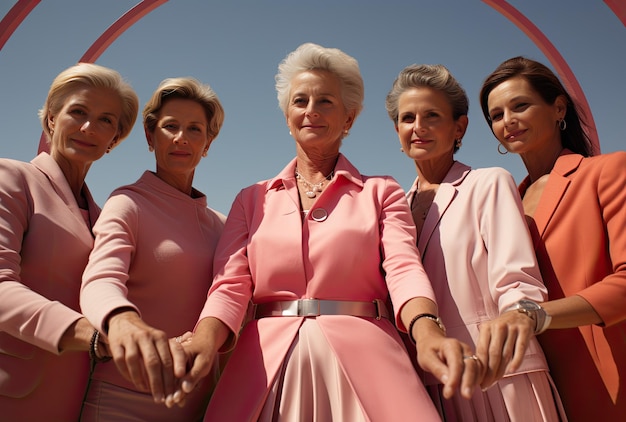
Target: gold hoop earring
500,151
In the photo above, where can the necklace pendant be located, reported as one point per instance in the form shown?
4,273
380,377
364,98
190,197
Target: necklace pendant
310,194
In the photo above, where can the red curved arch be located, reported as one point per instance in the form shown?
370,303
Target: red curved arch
119,26
14,18
23,7
107,38
559,63
619,8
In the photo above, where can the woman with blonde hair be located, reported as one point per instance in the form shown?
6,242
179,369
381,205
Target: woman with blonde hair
46,217
151,264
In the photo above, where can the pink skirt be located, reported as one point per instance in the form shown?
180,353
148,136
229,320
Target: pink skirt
528,397
311,385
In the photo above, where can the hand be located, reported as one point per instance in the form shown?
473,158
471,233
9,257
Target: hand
502,344
144,355
201,351
452,362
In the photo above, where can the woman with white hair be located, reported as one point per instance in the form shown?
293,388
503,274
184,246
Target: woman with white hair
317,250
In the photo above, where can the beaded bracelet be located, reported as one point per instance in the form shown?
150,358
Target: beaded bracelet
432,317
93,349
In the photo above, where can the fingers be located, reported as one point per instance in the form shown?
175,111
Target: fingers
502,344
493,351
149,364
142,354
521,344
160,368
179,356
202,360
445,360
473,370
466,371
454,368
128,361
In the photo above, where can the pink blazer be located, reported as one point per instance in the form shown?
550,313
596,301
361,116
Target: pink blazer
579,230
267,253
478,253
44,247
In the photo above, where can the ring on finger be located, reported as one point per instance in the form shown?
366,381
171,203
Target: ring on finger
473,357
179,339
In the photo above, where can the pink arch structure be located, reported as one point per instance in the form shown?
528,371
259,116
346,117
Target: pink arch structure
559,63
22,8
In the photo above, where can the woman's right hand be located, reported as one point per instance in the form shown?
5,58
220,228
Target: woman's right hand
144,355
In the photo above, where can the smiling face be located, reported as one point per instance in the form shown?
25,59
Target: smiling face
426,128
316,115
521,120
86,125
179,140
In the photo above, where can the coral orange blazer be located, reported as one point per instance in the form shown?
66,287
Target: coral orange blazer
579,230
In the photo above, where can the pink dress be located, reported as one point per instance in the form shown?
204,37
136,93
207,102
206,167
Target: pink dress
359,247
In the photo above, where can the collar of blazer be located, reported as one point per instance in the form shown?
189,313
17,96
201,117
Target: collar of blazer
558,183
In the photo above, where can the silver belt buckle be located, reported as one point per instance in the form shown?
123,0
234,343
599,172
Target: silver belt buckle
308,307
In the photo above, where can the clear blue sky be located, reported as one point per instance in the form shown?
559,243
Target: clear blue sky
235,46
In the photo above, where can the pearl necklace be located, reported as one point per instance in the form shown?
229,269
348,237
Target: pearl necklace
312,189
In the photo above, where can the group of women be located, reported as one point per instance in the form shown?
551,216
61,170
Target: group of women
319,274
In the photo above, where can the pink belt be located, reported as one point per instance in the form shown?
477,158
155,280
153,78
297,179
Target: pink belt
317,307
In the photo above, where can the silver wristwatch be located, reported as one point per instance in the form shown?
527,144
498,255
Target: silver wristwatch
535,311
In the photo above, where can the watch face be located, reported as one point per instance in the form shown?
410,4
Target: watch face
529,304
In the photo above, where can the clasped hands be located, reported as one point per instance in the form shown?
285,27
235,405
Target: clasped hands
170,368
500,349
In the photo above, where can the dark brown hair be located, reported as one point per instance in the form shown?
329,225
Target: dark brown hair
549,87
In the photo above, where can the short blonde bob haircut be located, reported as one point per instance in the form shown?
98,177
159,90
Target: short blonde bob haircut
186,88
96,76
